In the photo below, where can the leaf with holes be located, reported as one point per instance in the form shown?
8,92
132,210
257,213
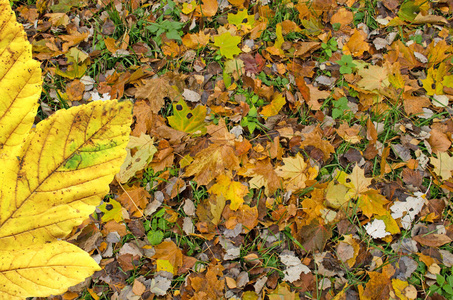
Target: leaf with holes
145,150
241,19
188,120
52,177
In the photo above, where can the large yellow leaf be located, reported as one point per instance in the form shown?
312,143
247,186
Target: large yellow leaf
66,166
43,270
20,83
52,176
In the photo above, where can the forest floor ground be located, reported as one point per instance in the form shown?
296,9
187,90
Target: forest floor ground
280,149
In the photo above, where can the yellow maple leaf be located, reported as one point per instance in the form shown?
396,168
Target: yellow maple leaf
164,265
52,176
112,211
436,80
356,182
404,290
391,225
374,78
336,195
283,291
231,190
242,19
187,8
372,203
314,208
296,172
188,120
217,204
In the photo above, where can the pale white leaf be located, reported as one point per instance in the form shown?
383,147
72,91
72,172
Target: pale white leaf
376,229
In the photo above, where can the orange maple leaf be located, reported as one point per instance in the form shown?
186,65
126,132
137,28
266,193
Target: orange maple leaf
356,44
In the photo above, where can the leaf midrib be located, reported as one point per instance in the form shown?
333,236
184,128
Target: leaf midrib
57,167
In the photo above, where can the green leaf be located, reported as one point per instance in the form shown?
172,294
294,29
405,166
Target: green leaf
450,280
242,18
408,11
188,120
169,25
173,35
448,289
112,211
251,126
341,103
346,64
153,28
345,70
440,279
435,289
253,112
336,113
227,44
347,59
155,237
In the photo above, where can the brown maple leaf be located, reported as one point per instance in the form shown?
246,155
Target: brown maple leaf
216,158
314,139
155,90
135,200
263,175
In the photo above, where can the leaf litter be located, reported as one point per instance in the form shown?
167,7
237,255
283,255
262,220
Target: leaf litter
279,149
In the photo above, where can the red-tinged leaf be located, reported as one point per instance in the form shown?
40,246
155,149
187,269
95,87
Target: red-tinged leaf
303,88
313,237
